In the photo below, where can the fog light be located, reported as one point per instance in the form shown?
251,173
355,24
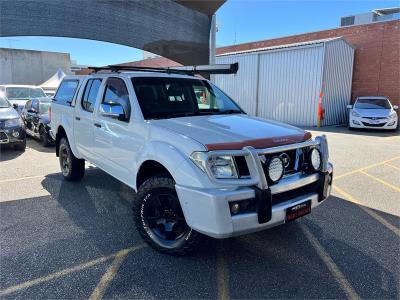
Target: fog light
15,134
391,123
235,208
356,122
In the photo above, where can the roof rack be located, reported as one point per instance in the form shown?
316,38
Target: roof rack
186,70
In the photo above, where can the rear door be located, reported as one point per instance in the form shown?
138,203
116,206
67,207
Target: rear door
84,117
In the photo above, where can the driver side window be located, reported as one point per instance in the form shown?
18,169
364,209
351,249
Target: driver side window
115,102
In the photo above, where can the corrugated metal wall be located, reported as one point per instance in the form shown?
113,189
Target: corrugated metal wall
289,84
284,84
338,72
241,87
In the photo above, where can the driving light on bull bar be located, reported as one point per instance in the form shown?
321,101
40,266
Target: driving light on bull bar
315,159
275,169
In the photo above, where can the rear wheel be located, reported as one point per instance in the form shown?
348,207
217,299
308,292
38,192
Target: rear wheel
72,168
44,138
160,220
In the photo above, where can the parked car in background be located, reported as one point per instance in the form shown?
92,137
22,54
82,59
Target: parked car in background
20,94
36,116
373,112
12,129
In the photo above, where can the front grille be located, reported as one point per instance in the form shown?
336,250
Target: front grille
3,137
301,191
375,118
374,125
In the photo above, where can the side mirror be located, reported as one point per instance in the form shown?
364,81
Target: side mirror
349,106
396,107
112,110
15,106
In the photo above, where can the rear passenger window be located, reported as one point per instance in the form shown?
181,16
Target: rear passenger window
90,94
66,92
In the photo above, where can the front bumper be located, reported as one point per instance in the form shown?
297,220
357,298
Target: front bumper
12,135
208,210
367,123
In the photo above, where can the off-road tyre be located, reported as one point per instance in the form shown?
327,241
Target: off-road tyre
72,168
147,200
44,138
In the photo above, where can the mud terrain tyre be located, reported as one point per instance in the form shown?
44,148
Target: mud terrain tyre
72,168
159,218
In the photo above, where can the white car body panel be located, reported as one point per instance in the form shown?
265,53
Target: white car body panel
120,149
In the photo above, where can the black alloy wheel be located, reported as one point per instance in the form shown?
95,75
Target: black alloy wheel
160,219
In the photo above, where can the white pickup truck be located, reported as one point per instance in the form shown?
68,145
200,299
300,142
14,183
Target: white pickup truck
198,163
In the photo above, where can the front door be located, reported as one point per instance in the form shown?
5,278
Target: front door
114,145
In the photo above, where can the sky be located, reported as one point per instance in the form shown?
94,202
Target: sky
238,21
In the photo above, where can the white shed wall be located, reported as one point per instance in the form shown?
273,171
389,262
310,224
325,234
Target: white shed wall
338,73
241,87
284,84
289,85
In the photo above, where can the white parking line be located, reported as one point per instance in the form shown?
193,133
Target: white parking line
332,267
80,267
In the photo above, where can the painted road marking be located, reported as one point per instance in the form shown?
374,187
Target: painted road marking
367,167
333,268
107,278
381,181
222,274
80,267
392,166
377,217
22,178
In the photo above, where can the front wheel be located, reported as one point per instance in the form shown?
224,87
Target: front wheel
72,168
159,217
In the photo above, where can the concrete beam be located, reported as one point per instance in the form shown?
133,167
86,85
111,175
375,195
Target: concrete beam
164,27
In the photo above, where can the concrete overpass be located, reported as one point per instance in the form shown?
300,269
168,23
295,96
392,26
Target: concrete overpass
178,30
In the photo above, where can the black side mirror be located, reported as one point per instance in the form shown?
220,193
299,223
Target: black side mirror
15,106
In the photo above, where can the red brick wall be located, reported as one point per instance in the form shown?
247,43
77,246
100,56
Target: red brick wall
377,55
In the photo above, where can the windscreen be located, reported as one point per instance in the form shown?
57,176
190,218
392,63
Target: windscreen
24,93
372,104
165,97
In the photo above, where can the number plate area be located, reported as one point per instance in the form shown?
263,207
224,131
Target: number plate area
298,210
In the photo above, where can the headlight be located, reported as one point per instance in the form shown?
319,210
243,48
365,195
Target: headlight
13,122
393,115
221,167
315,159
355,114
275,169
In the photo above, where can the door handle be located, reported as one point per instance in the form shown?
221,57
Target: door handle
97,125
77,118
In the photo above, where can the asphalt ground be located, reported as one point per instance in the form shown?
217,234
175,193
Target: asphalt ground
77,240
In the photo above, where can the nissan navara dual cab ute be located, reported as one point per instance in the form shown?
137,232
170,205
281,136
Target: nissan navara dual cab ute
198,163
